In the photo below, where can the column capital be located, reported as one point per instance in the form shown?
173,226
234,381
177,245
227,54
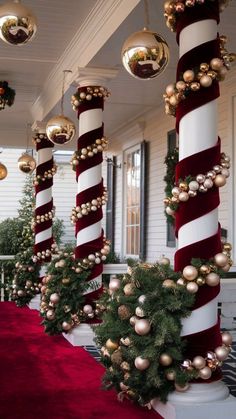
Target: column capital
39,127
95,76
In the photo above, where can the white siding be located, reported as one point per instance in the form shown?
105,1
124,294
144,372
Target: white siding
157,124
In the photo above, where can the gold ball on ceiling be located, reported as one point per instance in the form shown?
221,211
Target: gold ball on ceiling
26,163
3,171
145,54
60,130
17,23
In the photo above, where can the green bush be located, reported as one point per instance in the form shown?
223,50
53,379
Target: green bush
10,235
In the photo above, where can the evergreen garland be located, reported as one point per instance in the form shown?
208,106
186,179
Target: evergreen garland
148,296
170,161
63,289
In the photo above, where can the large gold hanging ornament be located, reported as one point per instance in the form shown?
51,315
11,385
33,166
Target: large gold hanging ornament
26,163
3,171
17,23
145,54
60,130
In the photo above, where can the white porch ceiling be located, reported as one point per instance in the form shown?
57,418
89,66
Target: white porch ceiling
80,33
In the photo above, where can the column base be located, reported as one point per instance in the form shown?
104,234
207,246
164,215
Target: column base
205,401
81,335
34,304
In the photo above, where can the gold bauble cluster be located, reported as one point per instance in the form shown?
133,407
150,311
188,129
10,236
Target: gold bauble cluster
88,94
48,174
85,209
186,189
87,152
174,9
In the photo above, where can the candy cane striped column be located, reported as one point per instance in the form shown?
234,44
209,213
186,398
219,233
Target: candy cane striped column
44,202
199,231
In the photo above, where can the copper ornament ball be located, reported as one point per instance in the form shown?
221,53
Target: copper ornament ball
145,54
60,130
3,171
26,163
18,25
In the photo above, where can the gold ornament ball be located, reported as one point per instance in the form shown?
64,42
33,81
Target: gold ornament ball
141,363
227,247
3,171
124,312
60,130
54,298
125,341
50,314
199,362
164,261
222,352
142,327
17,23
133,320
221,259
65,281
112,346
192,287
125,366
190,273
145,54
205,373
139,312
26,163
66,326
220,180
181,389
129,289
114,284
170,375
116,357
227,338
212,279
188,76
168,283
165,359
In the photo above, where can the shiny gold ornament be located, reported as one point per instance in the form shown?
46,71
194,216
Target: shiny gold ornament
145,54
112,346
17,23
165,359
26,163
205,269
200,281
199,362
60,130
3,171
227,247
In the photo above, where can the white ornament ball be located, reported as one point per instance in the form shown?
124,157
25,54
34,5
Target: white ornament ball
54,298
190,272
141,299
87,309
50,314
139,312
114,284
193,185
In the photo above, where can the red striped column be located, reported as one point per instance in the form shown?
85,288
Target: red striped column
43,183
90,241
197,224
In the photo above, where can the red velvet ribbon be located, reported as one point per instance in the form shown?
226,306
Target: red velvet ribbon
44,143
44,209
89,194
42,246
88,220
88,248
94,103
208,10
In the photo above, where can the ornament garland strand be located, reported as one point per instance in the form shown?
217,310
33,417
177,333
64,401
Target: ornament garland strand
173,10
194,79
91,150
7,95
189,187
140,339
84,209
63,305
170,161
87,94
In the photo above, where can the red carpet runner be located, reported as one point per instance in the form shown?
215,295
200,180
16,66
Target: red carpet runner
44,377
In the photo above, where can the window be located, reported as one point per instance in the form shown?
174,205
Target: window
171,145
135,202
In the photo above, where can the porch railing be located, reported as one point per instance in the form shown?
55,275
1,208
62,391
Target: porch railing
227,297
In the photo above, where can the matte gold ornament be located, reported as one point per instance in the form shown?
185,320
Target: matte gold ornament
124,312
142,327
165,359
129,289
26,163
60,130
205,373
3,171
199,362
111,345
212,279
54,298
221,259
222,352
164,261
50,314
66,326
227,338
145,54
190,273
168,283
141,363
192,287
18,25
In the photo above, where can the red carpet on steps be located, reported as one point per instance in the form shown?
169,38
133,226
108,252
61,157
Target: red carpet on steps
44,377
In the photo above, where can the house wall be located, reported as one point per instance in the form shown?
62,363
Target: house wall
153,128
